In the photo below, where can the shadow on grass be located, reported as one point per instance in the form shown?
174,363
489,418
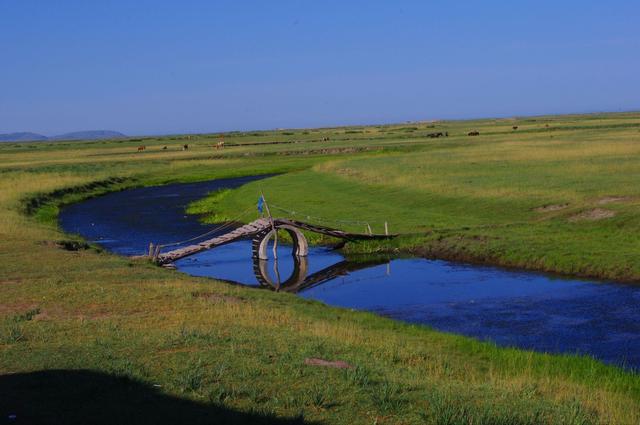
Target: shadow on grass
87,397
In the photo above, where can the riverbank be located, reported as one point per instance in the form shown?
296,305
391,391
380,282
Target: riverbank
218,351
555,197
510,308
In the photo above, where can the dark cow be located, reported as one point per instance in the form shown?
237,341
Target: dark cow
515,127
435,135
185,147
473,133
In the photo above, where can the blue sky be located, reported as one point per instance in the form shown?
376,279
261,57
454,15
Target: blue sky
153,67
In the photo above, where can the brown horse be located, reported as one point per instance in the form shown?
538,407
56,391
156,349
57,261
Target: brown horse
141,148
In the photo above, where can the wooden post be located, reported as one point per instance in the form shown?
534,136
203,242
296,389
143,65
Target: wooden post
277,272
150,249
156,252
369,229
273,226
386,228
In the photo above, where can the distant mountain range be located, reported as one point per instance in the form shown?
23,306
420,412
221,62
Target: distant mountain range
77,135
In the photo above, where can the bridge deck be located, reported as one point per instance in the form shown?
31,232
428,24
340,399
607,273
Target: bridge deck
255,227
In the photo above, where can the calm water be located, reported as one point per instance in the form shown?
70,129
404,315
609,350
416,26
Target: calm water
511,308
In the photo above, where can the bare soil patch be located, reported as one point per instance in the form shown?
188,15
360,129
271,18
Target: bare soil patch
612,199
10,281
68,245
13,309
551,207
592,215
338,364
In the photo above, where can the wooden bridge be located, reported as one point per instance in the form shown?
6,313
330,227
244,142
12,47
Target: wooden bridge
262,230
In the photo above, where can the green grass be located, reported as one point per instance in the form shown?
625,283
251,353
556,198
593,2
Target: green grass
88,334
482,199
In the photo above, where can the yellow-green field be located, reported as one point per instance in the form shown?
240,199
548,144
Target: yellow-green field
558,194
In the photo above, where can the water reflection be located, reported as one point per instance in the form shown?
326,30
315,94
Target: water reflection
300,280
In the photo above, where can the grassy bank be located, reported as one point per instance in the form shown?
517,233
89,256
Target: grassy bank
561,198
84,333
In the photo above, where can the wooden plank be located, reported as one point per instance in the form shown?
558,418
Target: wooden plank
261,225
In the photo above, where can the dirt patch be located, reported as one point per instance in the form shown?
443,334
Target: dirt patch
15,309
217,298
337,364
592,215
67,245
550,208
612,199
347,172
10,281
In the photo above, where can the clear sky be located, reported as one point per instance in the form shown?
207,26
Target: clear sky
159,66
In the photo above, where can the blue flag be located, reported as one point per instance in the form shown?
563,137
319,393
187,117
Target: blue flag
260,204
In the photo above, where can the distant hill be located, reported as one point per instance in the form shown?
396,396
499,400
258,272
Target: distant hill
21,137
77,135
89,135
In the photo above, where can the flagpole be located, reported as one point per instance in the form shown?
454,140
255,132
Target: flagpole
273,226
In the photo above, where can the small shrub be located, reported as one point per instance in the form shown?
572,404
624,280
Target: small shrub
358,376
318,397
220,394
12,334
26,316
388,397
192,378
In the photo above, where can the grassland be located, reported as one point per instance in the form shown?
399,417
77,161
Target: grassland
86,333
562,198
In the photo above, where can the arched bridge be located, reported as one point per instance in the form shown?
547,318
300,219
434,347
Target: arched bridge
262,230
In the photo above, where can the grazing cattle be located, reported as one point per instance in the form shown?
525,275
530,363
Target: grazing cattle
164,148
325,139
434,135
446,134
515,127
141,148
220,145
474,133
185,147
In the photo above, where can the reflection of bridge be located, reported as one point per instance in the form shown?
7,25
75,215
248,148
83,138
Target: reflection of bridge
262,230
300,280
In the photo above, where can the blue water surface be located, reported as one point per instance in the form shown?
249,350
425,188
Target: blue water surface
511,308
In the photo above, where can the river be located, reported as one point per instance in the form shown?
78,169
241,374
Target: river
511,308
